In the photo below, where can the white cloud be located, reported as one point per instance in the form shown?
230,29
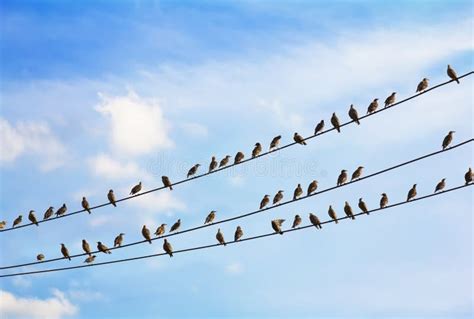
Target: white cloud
82,295
55,307
195,130
99,221
158,202
21,282
237,180
103,165
234,268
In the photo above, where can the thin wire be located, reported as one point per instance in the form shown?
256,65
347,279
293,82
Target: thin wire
243,161
230,242
253,212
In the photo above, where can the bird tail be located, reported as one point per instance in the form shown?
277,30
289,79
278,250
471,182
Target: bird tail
68,257
336,221
109,252
89,211
338,130
320,227
281,233
358,122
224,243
352,216
171,188
171,255
149,240
115,205
36,223
304,143
457,80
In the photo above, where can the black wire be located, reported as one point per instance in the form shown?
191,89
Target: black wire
253,212
230,242
243,161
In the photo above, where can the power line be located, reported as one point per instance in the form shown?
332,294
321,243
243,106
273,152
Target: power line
243,161
230,242
256,211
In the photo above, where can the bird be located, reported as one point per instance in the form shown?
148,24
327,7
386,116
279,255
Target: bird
342,178
167,248
111,197
193,170
166,182
3,223
39,257
452,74
332,214
160,230
422,85
220,237
296,221
390,100
468,176
86,247
298,192
136,189
49,212
175,226
210,217
146,234
411,193
357,173
383,200
85,205
265,201
313,186
224,161
278,197
17,221
299,139
276,225
256,150
238,233
65,252
275,142
238,157
440,186
335,122
118,240
315,220
102,248
373,106
32,217
354,115
348,210
319,127
62,210
212,164
448,139
363,206
90,259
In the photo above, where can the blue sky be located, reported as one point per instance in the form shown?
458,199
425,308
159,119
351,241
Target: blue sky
98,95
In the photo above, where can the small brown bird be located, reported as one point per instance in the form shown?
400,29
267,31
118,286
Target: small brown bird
111,197
275,142
65,252
160,230
102,248
212,164
383,200
452,74
440,186
332,214
238,157
146,234
276,225
238,233
296,221
278,197
17,221
86,247
256,150
298,192
166,182
354,115
373,106
32,218
299,139
85,205
312,187
319,127
411,193
348,210
342,178
90,259
265,201
3,223
193,170
175,226
468,176
363,206
61,211
49,212
220,237
224,161
357,173
39,257
315,221
448,139
167,248
335,122
118,240
423,85
136,189
210,217
390,100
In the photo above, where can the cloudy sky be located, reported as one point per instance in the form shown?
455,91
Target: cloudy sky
99,95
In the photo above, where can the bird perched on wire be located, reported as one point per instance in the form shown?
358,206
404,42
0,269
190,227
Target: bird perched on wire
193,170
363,206
111,197
373,106
278,197
319,127
48,213
238,233
167,248
452,74
440,186
448,139
85,205
17,221
275,142
296,221
256,150
390,100
335,122
238,157
383,200
265,201
212,164
210,217
299,139
423,85
276,225
468,176
298,192
315,221
65,252
102,248
175,226
166,182
86,247
146,234
224,161
220,237
90,259
160,230
357,173
411,193
3,223
353,114
332,214
32,218
118,240
312,187
136,189
62,210
348,210
39,257
342,178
